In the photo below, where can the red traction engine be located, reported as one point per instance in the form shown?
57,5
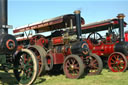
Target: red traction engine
113,48
64,49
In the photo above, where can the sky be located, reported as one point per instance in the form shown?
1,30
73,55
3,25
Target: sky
22,12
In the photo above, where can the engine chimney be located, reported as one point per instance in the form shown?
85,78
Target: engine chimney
3,17
121,27
78,24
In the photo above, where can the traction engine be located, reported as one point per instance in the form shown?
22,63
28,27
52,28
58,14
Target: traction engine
10,58
116,47
64,48
8,43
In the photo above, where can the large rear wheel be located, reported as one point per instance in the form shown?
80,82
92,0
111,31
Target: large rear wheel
73,67
25,67
40,54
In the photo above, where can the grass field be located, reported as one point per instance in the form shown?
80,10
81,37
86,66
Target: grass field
106,78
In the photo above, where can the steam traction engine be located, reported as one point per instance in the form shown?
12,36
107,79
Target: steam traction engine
8,42
64,48
112,48
9,58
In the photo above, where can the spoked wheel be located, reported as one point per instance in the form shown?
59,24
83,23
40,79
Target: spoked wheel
94,64
40,54
73,67
25,67
117,62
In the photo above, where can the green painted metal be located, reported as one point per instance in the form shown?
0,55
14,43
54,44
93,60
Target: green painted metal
2,59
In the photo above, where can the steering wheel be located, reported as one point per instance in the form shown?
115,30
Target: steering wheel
95,36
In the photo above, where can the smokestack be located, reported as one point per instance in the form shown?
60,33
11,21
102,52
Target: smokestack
78,24
121,26
3,17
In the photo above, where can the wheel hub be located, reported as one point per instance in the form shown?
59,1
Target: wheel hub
72,67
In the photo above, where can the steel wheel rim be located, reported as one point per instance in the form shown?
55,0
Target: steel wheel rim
117,63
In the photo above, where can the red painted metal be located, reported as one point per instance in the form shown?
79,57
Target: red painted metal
49,24
41,42
57,40
126,36
37,26
19,47
101,49
101,25
58,58
10,41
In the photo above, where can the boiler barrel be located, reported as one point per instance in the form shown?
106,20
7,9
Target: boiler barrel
79,47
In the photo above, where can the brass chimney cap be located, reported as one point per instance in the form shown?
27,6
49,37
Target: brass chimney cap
121,16
77,11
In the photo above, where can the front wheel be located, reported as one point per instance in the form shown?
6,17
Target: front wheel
25,67
117,62
73,67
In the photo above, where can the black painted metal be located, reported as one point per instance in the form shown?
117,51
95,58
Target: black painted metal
121,27
77,48
3,47
122,47
78,24
3,17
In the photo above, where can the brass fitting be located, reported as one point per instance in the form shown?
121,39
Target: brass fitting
77,12
121,16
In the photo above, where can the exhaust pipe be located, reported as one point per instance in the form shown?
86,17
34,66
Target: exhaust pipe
121,26
78,24
3,17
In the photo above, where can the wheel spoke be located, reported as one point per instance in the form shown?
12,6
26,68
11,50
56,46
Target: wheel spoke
73,61
112,60
75,67
95,66
68,62
115,57
119,68
113,63
122,65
